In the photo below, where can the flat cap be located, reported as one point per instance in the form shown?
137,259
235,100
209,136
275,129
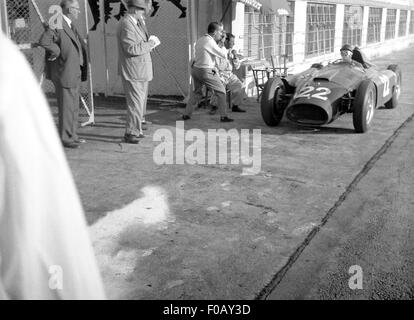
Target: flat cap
346,47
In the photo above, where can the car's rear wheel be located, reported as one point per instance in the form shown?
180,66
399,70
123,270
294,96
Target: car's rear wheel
364,106
271,104
396,89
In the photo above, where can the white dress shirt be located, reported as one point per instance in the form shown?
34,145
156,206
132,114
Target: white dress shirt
206,51
135,21
68,21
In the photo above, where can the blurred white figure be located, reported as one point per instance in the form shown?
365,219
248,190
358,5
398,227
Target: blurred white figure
45,250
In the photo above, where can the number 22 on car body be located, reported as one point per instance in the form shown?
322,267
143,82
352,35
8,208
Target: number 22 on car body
312,92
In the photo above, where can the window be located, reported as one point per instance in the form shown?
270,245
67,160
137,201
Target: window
268,34
352,25
402,29
412,22
258,36
320,28
289,31
390,24
251,33
374,25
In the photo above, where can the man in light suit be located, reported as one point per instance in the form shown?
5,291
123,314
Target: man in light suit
67,66
135,65
225,68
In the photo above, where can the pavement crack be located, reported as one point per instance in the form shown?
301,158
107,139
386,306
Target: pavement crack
277,278
260,206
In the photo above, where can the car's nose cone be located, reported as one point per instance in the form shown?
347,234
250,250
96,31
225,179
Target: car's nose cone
305,113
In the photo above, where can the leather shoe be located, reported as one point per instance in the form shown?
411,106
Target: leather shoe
185,117
226,119
71,145
213,110
237,109
130,138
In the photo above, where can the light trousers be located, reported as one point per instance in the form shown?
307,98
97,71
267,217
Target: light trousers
232,83
136,94
212,81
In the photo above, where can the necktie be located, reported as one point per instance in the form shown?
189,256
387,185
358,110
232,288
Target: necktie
142,25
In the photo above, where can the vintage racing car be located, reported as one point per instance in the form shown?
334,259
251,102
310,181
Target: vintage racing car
321,94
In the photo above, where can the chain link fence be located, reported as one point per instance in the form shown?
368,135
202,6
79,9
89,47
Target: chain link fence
25,25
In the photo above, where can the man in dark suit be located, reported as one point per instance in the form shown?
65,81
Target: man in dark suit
67,66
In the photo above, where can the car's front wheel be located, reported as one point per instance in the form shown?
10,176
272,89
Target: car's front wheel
364,106
271,104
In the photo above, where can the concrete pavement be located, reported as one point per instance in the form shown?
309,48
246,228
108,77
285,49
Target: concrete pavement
372,228
207,231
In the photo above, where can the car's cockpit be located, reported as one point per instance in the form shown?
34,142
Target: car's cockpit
352,64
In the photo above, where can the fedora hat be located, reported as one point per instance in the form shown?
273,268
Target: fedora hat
143,4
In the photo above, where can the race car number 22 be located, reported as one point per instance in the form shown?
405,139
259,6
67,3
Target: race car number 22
312,92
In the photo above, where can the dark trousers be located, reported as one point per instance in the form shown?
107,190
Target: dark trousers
68,104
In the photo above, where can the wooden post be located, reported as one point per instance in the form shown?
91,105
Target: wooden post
4,18
90,80
261,38
274,29
105,42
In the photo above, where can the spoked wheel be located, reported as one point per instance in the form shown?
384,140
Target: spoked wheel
364,106
272,104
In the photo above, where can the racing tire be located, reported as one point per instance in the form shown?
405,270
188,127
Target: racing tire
272,111
364,106
396,89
